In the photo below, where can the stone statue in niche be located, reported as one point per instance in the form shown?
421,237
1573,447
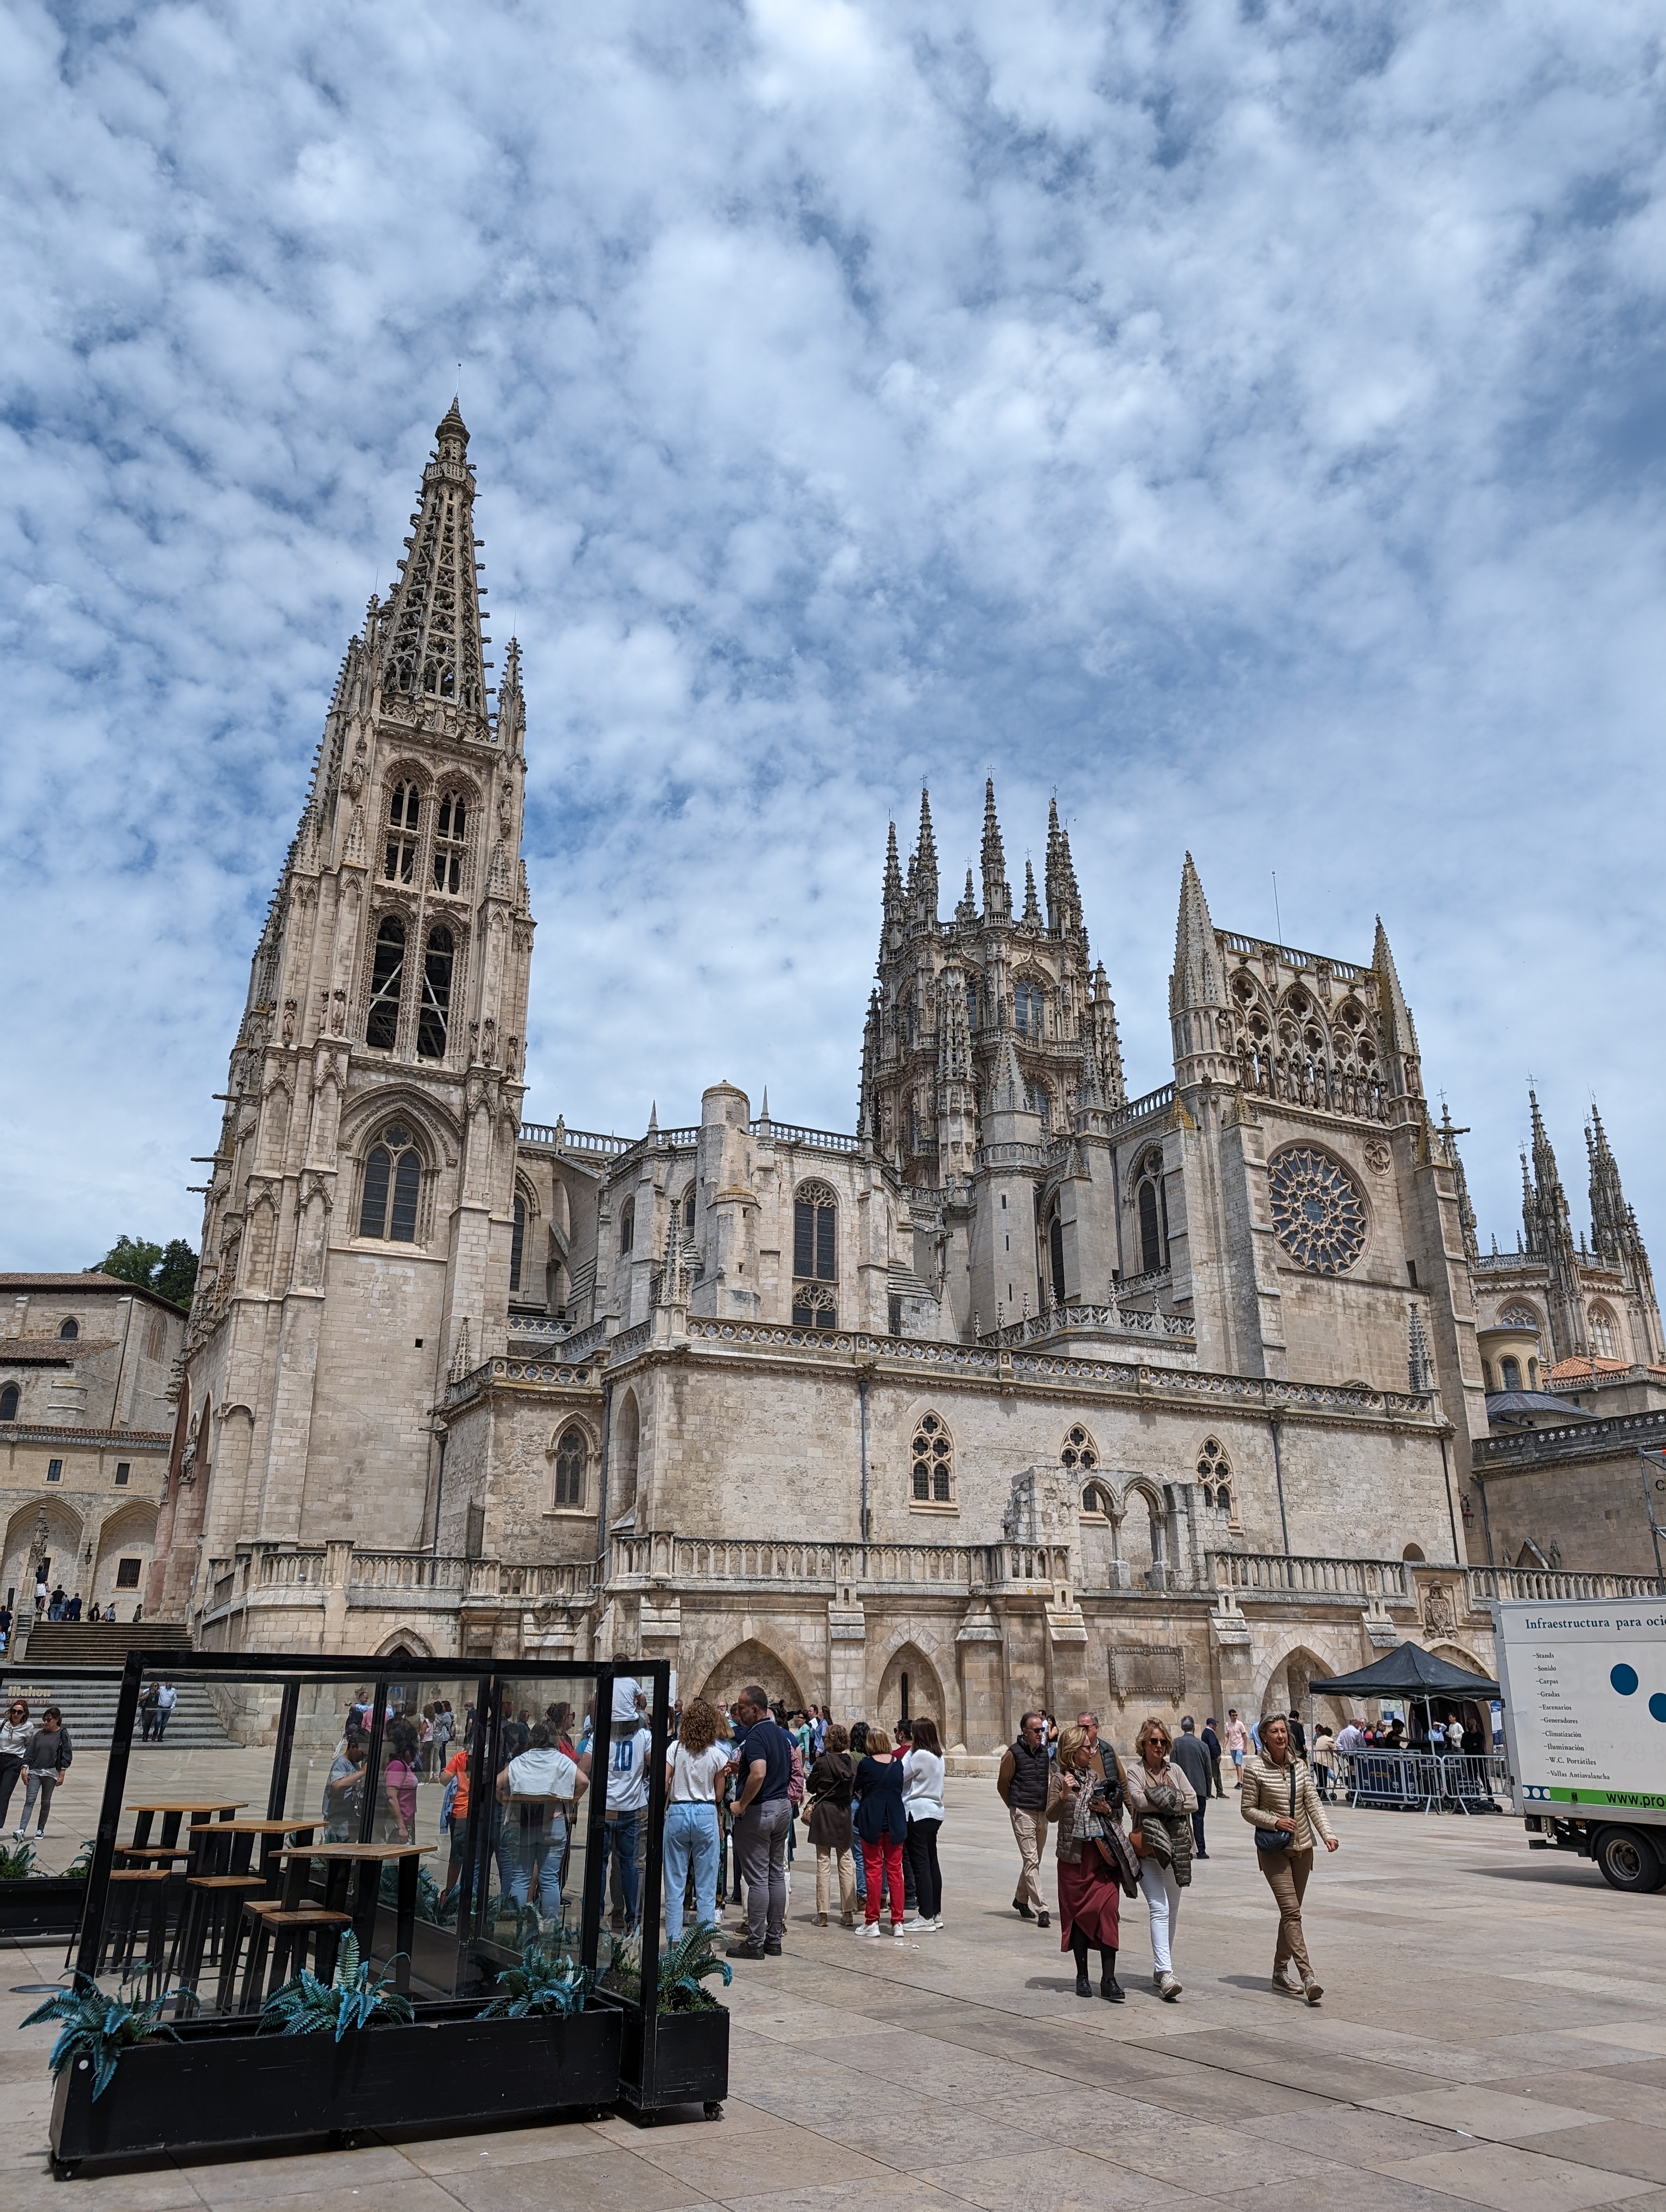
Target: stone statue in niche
1438,1615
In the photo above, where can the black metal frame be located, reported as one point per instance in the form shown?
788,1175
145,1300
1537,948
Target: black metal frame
305,2090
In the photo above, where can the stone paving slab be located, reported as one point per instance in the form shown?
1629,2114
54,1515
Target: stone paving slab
1492,2033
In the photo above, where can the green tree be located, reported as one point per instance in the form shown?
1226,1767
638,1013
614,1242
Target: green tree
170,1272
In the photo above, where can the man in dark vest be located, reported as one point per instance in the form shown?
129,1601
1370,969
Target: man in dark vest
1022,1782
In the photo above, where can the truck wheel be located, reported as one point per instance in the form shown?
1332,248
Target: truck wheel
1628,1860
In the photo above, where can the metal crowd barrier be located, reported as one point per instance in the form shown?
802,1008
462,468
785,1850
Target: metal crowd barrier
1428,1782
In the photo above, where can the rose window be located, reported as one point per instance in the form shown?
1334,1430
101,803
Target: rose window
1318,1214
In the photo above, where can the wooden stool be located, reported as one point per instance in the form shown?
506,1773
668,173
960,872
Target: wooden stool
290,1932
207,1922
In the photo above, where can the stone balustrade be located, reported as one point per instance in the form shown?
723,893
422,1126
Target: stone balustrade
1555,1585
1279,1574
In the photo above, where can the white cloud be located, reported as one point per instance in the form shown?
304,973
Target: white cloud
1244,420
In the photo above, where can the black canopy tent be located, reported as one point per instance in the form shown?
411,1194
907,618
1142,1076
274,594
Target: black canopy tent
1408,1671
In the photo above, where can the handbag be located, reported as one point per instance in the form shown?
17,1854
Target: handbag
1279,1839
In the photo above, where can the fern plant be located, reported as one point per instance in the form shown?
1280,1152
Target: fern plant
82,1864
686,1966
350,1999
16,1862
545,1981
98,2027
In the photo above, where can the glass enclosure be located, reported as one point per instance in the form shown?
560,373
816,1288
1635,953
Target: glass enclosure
442,1814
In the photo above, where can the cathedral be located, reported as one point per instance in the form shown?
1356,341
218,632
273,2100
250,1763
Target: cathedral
1023,1391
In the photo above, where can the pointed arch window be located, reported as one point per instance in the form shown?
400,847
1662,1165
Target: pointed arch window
1029,1006
518,1243
1602,1339
571,1454
404,820
932,1470
1151,1202
1214,1472
9,1398
815,1233
688,1212
387,971
1056,1250
392,1185
971,1002
628,1225
433,1020
450,842
1038,1099
70,1331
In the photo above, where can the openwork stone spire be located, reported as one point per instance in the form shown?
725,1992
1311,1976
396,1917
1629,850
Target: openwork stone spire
435,646
997,892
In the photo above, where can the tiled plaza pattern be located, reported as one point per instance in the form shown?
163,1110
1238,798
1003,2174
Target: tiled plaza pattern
1494,2033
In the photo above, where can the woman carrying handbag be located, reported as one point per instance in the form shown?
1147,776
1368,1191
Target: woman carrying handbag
1281,1803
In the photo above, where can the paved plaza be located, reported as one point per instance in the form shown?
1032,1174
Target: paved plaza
1494,2033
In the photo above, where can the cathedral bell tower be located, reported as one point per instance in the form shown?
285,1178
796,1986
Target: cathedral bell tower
358,1220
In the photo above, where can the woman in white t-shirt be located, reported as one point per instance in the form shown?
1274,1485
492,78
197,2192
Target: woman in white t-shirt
922,1801
539,1786
697,1782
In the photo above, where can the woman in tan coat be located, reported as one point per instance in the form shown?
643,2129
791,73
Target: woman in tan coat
1281,1800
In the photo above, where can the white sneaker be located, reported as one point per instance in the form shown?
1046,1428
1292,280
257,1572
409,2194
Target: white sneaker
868,1928
896,1930
918,1927
937,1922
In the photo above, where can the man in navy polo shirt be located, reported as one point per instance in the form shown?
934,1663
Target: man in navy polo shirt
763,1812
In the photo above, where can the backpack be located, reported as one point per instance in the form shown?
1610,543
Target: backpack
795,1783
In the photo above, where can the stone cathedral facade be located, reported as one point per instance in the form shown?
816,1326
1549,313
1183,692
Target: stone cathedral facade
1023,1390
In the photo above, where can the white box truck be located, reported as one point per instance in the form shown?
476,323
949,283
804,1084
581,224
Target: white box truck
1584,1730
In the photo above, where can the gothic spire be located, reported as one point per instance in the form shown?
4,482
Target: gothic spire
922,869
892,896
431,623
1032,907
1064,899
1608,1210
967,909
1197,979
997,892
1466,1210
1398,1030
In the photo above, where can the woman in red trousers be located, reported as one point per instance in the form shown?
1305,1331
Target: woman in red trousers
882,1827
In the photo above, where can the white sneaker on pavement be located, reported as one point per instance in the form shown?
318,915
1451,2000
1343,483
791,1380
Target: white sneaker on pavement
919,1927
868,1928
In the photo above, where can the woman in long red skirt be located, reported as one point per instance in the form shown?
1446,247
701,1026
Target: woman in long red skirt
1085,1807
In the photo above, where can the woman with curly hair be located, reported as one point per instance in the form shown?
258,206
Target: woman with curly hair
697,1782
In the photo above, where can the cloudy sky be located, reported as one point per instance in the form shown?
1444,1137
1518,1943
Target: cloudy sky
1245,421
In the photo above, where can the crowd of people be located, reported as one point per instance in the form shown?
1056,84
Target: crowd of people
748,1788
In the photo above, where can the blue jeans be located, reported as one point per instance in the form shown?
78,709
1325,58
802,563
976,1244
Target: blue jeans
620,1834
539,1848
690,1835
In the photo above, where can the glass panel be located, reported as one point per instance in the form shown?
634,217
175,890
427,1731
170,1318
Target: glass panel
826,1223
804,1238
373,1214
407,1182
431,1811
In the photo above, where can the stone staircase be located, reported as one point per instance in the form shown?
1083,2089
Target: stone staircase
89,1707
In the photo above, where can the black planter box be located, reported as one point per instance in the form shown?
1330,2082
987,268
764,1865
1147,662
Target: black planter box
217,2090
48,1904
687,2065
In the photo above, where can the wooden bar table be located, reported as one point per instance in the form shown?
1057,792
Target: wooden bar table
340,1859
173,1810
